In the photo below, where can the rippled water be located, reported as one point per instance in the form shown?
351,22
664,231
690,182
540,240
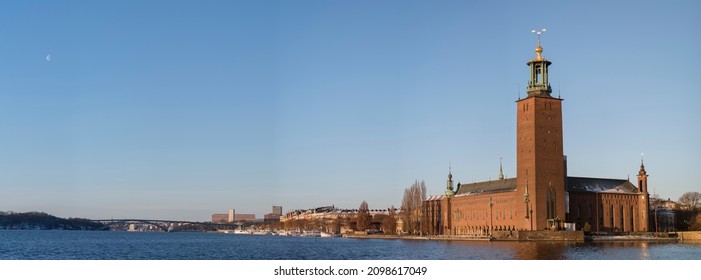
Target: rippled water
209,246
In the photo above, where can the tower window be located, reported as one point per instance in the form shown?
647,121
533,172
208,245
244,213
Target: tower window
578,213
600,213
550,203
632,221
622,225
589,211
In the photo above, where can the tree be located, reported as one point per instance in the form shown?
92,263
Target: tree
654,201
696,224
389,222
691,199
586,228
363,218
412,201
336,225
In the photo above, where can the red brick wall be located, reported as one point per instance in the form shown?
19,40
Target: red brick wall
472,214
539,155
603,211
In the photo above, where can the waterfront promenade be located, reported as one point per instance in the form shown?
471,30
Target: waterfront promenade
693,236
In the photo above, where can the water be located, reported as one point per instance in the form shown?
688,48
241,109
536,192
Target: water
53,245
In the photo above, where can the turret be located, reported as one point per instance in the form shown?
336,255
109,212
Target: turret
538,84
501,173
642,177
449,188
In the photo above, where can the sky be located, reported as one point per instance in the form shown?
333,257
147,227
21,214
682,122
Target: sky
181,109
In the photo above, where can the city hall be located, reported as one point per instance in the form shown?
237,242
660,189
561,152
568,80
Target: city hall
542,196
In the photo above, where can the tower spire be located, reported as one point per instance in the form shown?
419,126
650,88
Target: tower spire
501,174
538,84
449,185
642,176
538,49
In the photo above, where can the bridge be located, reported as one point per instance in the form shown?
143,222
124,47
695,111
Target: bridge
165,225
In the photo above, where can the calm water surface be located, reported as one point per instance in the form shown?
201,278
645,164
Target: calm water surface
54,245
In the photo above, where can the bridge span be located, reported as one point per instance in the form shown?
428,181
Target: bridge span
164,225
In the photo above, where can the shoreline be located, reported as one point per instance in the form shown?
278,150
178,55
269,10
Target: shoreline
483,239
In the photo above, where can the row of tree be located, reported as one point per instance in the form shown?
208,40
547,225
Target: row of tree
690,199
413,199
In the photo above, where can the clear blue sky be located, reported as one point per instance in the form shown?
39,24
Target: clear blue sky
177,110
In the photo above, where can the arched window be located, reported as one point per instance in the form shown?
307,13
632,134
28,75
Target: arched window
632,221
623,227
550,203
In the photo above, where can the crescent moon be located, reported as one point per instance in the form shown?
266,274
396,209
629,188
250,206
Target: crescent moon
48,57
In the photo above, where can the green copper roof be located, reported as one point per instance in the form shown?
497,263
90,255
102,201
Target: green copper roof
488,186
580,184
574,184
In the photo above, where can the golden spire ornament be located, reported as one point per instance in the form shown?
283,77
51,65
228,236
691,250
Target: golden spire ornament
538,49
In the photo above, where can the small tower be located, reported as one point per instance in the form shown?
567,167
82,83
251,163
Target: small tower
642,177
538,84
644,205
501,173
449,188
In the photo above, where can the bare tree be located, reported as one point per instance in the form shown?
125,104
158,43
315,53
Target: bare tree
389,222
691,199
363,217
336,225
412,201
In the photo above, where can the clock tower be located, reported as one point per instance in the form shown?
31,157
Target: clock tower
539,148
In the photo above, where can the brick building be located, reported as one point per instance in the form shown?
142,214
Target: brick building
541,196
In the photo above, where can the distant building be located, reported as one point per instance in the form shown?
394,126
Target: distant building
245,218
329,212
665,220
270,218
220,218
274,216
663,216
224,218
669,205
277,210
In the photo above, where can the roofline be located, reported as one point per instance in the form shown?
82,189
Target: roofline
597,178
489,192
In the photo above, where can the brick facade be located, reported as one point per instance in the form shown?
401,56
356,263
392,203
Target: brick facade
537,199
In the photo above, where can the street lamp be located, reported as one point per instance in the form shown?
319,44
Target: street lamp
657,227
531,219
490,216
527,201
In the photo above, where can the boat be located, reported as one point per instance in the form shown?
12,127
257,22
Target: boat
262,232
328,234
311,233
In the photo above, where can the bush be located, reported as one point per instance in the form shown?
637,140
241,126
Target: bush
586,228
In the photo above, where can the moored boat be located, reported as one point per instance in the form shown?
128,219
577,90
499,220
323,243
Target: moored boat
328,234
311,233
